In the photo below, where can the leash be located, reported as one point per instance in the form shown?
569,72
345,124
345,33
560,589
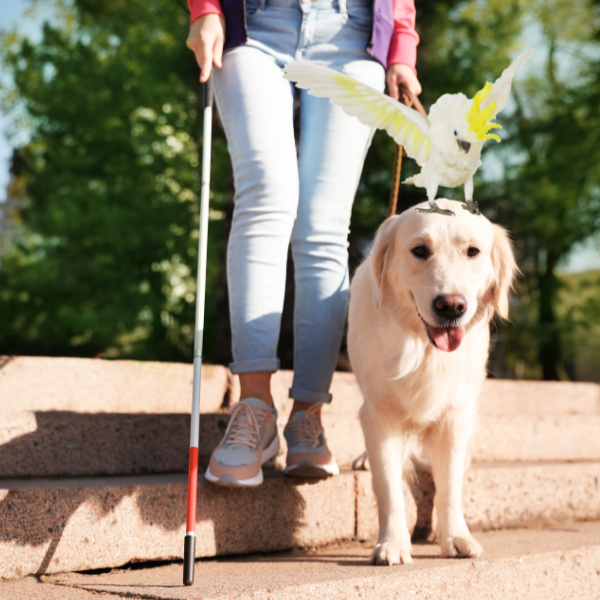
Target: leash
406,97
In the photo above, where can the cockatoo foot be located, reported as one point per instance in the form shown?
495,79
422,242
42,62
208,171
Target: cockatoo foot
434,208
472,207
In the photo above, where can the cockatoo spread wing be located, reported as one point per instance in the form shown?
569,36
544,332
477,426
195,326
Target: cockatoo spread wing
407,126
501,87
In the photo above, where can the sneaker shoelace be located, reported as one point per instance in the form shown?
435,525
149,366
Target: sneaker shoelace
306,430
244,426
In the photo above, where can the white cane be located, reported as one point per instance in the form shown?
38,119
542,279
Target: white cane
190,535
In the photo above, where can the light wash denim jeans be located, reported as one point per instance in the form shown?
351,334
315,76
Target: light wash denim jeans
286,194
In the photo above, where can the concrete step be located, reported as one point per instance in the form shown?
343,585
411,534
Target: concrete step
62,525
82,417
96,385
74,444
556,563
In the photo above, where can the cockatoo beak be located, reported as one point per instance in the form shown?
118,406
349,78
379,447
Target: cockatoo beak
464,146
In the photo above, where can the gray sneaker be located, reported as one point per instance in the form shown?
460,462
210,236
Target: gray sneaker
249,442
308,454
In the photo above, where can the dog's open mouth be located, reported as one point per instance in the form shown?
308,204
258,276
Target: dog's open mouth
448,339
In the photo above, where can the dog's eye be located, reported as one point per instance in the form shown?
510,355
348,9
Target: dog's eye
472,251
421,252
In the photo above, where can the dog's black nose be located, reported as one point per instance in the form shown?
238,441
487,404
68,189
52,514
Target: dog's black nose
450,306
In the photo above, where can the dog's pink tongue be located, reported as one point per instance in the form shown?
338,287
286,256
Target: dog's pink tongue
447,338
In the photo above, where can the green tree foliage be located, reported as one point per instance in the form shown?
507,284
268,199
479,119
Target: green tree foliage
550,192
106,260
99,257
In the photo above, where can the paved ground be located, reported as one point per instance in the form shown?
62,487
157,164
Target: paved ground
558,562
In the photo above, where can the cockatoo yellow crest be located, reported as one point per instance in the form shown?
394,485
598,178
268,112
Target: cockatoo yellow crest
446,144
481,119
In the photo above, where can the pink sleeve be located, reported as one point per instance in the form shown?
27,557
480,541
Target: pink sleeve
199,8
403,46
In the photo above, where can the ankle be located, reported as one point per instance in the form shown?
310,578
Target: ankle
298,406
256,385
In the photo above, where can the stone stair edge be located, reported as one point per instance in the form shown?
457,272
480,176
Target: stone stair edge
271,473
78,444
548,564
99,385
88,525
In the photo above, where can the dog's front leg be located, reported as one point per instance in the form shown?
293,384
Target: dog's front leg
449,442
386,450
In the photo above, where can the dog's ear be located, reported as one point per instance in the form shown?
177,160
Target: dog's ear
505,270
384,241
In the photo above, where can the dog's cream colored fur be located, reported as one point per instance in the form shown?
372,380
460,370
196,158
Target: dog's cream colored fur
414,393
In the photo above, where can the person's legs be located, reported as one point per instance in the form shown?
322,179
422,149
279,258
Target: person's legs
331,155
256,107
332,149
256,384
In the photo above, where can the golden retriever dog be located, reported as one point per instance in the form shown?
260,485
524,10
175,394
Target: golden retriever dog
418,340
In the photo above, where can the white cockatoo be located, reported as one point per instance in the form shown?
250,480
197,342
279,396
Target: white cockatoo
446,144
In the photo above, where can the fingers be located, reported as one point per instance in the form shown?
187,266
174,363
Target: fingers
206,39
393,90
218,53
402,83
202,53
415,87
204,60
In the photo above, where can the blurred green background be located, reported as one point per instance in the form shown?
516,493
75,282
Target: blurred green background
98,225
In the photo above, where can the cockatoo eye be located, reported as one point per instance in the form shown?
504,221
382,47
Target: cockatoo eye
421,252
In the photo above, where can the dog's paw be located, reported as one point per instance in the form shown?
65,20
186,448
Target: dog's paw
461,547
389,553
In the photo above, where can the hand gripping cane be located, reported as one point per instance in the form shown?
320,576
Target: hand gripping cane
189,553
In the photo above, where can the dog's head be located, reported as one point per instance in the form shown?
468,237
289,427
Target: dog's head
444,273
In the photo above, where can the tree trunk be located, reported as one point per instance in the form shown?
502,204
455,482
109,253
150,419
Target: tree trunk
550,351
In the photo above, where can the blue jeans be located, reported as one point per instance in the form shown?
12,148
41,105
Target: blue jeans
292,195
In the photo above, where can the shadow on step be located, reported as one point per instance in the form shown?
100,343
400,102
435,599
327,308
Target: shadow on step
72,523
70,444
72,519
